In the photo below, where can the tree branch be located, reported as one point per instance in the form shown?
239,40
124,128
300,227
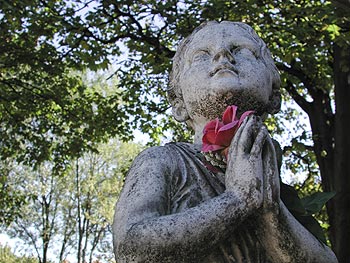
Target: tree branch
153,41
309,85
300,100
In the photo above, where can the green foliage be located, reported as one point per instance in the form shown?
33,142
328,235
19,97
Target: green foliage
72,214
46,107
311,189
7,256
11,200
307,210
304,208
314,203
46,112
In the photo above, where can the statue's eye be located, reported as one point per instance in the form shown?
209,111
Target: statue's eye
200,55
248,51
245,51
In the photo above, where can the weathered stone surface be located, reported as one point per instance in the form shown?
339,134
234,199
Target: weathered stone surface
173,208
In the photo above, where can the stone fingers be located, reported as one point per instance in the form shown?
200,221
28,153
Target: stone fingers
236,138
271,178
244,138
259,143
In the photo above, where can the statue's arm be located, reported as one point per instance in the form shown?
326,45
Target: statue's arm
284,238
143,231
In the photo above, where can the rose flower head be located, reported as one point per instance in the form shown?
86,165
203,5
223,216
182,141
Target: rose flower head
218,134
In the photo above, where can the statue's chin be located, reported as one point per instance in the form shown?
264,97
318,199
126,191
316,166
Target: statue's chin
213,105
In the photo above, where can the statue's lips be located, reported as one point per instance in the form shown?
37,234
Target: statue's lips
224,68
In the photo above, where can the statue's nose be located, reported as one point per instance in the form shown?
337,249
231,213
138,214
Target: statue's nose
223,54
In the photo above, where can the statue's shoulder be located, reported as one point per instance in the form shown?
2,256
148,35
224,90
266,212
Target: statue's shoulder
160,153
167,149
155,161
166,154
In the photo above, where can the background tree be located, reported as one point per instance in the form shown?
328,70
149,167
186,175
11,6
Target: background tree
37,225
46,111
6,256
72,214
309,39
11,201
98,181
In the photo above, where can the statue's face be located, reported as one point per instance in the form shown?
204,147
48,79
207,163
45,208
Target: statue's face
222,68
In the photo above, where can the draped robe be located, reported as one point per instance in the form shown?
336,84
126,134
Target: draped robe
188,183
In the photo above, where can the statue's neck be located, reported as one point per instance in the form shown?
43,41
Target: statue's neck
198,125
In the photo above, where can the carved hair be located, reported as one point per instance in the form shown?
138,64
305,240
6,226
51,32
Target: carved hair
174,90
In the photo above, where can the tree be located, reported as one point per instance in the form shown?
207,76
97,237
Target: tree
46,111
72,214
309,39
11,201
98,181
7,256
37,225
339,176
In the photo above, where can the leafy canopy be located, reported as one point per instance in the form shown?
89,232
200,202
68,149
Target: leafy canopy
47,111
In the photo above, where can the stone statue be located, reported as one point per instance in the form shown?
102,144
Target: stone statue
173,208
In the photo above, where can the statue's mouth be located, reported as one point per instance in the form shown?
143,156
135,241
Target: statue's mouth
225,67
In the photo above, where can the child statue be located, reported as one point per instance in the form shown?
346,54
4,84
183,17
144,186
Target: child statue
174,207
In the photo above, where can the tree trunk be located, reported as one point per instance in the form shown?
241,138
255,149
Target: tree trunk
340,214
332,148
322,125
79,213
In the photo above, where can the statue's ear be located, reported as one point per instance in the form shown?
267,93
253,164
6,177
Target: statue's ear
179,110
275,102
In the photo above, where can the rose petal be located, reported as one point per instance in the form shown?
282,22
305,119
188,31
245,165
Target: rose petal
229,114
229,126
210,131
209,137
211,147
213,125
226,133
217,135
244,115
224,137
210,125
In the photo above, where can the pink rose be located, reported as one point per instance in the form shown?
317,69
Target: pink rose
217,135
